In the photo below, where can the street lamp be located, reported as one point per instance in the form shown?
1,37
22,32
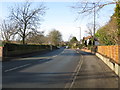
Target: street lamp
80,33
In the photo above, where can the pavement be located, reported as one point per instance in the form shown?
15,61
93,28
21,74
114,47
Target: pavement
95,74
62,68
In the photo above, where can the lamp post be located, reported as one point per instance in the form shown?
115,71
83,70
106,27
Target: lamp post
80,33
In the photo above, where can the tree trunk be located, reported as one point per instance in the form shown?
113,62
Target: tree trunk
23,39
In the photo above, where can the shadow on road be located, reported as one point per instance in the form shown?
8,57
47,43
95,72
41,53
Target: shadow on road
86,53
35,54
96,75
45,78
12,64
36,59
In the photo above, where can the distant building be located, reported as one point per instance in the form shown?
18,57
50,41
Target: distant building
88,41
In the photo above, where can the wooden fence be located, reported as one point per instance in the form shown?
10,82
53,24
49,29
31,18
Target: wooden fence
1,51
110,52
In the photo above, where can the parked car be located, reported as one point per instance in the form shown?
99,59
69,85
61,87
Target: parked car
67,47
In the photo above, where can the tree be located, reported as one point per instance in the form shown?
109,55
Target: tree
73,40
36,38
55,37
117,15
90,28
7,30
88,8
109,34
104,37
26,18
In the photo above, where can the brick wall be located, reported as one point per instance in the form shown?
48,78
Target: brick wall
110,52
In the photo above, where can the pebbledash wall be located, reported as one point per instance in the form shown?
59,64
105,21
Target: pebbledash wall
111,56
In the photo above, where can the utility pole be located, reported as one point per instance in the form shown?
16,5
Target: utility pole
94,25
94,20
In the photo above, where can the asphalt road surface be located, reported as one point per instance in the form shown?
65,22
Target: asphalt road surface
62,68
52,70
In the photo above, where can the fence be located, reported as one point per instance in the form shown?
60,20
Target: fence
111,52
1,51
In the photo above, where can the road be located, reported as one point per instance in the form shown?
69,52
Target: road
62,68
52,70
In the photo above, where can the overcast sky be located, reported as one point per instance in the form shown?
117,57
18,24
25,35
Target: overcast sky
62,17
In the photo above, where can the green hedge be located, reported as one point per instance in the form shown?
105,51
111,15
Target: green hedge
12,47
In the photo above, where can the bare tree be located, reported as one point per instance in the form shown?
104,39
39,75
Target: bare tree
27,18
7,30
54,37
87,7
90,28
36,38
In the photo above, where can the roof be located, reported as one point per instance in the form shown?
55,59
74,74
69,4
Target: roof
89,37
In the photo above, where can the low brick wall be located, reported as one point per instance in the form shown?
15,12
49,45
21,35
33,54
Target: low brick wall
111,52
114,66
111,56
1,51
1,48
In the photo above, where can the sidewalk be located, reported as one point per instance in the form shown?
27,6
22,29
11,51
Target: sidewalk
95,74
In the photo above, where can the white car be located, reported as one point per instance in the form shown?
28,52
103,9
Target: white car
67,47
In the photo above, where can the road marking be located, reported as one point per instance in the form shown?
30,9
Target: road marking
16,68
77,69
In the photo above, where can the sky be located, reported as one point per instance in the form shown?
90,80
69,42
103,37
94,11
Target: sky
62,17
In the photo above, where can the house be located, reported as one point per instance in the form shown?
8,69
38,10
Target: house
89,41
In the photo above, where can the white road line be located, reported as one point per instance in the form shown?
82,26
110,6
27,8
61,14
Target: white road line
16,68
77,69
